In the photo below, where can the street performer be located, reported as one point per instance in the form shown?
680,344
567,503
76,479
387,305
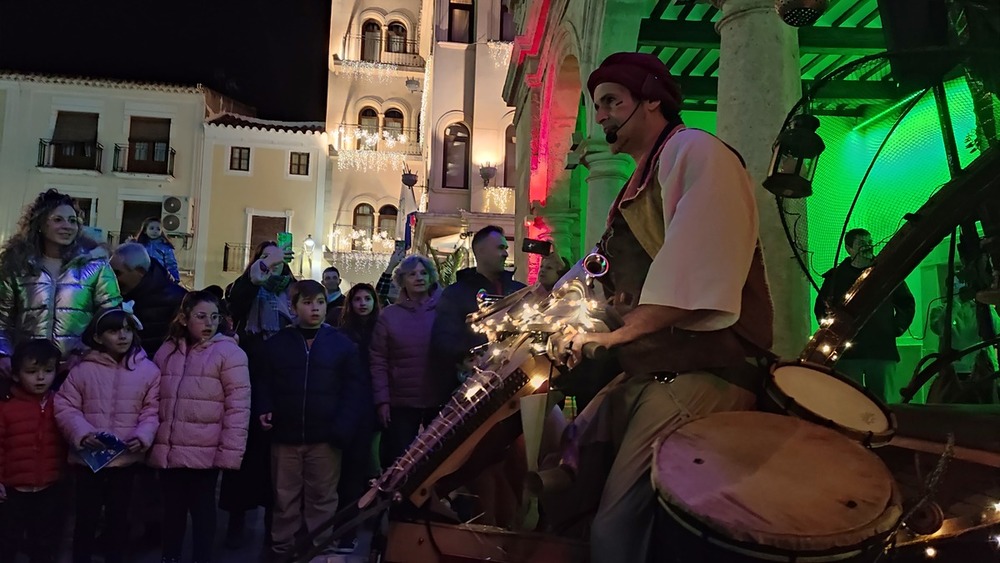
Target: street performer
687,276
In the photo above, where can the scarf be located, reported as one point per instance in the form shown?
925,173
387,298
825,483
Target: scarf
269,312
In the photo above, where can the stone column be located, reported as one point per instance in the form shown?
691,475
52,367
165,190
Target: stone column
759,82
607,174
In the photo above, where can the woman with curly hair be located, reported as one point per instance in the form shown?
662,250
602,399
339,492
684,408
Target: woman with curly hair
53,279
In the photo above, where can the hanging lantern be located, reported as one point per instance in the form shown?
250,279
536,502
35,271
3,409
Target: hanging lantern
796,153
798,13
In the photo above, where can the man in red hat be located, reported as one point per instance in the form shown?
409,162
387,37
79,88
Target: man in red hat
688,278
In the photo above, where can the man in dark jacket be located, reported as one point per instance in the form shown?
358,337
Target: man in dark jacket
308,396
872,357
147,283
452,338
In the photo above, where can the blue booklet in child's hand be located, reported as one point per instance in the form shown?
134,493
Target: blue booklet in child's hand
99,459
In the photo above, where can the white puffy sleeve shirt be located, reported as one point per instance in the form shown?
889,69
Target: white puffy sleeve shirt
711,229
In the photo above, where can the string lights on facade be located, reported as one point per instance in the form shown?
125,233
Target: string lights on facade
499,199
359,249
370,160
359,149
369,71
500,52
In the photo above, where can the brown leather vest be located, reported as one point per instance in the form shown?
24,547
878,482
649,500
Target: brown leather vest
634,235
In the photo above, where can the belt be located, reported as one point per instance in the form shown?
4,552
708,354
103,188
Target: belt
748,376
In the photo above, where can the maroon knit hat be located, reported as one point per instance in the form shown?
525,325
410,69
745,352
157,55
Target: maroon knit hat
645,76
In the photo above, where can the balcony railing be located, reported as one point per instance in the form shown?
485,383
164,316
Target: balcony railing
71,155
235,257
389,50
145,157
388,139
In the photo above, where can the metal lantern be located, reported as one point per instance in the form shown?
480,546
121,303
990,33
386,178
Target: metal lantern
796,153
798,13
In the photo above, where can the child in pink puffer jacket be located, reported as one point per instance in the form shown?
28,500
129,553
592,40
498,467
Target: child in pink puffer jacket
115,389
204,415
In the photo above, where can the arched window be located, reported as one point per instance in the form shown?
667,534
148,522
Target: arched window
396,36
387,215
506,22
509,158
364,220
368,129
393,124
371,41
456,156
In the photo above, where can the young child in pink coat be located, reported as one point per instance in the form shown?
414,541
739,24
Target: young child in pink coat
204,416
115,389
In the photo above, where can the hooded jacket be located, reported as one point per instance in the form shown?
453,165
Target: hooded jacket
401,361
204,405
453,338
34,305
102,395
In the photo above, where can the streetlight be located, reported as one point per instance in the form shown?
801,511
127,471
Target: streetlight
308,245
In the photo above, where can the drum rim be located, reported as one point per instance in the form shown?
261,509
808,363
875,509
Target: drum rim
867,438
887,521
705,532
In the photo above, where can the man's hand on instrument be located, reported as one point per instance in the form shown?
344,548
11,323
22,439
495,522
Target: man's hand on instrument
576,344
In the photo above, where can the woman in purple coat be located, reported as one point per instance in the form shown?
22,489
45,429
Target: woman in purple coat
407,391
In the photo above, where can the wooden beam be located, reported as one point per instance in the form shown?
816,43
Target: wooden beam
697,88
817,40
858,111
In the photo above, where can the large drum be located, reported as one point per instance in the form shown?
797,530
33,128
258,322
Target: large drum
754,486
819,394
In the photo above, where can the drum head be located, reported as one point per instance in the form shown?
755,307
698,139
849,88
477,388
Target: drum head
775,481
828,398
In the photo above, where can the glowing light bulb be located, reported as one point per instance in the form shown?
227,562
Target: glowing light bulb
472,391
826,321
826,348
996,506
930,552
847,344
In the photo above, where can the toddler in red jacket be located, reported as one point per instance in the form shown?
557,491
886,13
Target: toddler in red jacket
32,458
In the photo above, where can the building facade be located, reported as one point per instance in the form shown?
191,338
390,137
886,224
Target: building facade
260,178
415,87
125,150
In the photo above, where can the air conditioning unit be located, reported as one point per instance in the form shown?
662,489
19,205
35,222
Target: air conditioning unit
176,214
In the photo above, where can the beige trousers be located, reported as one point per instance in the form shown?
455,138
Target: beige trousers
305,490
629,415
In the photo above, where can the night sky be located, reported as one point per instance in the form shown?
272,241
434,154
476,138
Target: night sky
270,54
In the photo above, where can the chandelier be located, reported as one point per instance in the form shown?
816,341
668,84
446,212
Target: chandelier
500,52
499,199
370,71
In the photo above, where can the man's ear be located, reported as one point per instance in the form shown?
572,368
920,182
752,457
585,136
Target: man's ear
652,105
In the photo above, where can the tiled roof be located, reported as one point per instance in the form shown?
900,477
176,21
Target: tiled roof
99,82
237,121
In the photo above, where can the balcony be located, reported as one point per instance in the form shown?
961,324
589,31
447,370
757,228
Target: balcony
145,157
385,139
70,155
235,257
392,50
